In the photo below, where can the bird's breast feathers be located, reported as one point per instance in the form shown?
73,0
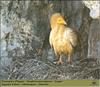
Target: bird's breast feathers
63,39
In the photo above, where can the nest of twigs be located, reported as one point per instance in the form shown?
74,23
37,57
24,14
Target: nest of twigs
34,69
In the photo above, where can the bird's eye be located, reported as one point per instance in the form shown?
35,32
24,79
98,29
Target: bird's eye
61,21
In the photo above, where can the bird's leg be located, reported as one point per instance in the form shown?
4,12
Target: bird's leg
60,60
69,61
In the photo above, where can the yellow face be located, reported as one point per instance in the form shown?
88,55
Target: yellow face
55,19
60,20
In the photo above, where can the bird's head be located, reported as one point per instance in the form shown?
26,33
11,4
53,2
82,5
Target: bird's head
57,19
60,20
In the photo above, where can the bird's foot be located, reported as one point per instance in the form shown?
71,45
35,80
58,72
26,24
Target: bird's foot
69,62
60,62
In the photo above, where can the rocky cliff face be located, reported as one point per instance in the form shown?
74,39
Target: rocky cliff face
25,33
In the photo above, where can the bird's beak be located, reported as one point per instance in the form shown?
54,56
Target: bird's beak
61,21
64,22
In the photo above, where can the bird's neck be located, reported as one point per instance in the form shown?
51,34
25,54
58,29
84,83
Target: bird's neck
62,27
59,28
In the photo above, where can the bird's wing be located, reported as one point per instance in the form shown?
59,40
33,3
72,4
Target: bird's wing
70,35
